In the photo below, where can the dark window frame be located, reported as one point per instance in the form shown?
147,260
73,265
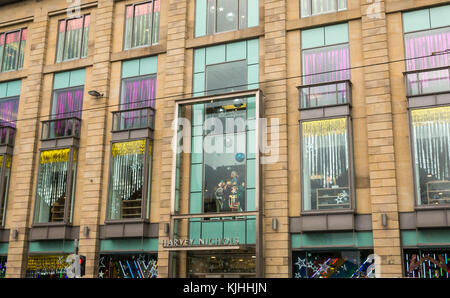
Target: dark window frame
66,20
213,31
132,26
2,53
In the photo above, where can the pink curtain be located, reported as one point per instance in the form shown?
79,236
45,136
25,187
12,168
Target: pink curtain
68,104
137,93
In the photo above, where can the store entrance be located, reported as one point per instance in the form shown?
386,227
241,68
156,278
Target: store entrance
221,264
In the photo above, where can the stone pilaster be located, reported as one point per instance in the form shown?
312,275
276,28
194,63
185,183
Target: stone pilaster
275,175
175,86
94,117
383,182
25,151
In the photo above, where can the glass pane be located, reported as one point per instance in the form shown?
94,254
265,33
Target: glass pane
243,14
128,266
325,164
332,264
66,104
8,111
227,14
87,21
424,44
4,195
342,4
305,9
22,48
128,26
61,38
74,32
156,15
126,180
226,77
51,186
431,141
11,51
323,6
2,44
142,25
326,64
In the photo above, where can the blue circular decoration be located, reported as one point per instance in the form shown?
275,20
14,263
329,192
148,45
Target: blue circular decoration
240,157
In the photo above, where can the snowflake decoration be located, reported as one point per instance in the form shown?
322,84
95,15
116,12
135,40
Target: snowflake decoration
300,263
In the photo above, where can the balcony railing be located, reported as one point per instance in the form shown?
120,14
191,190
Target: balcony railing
7,134
324,94
133,119
61,128
428,81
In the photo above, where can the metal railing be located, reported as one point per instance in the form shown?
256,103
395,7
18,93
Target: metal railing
324,94
133,119
61,128
7,135
427,81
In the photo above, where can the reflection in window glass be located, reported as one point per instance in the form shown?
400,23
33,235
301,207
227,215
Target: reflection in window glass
325,164
332,264
431,143
427,263
226,77
226,15
73,36
52,186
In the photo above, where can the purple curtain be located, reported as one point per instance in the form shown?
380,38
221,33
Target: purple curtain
8,116
424,44
137,93
329,64
69,103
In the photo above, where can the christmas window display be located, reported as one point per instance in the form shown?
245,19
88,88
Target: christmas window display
431,146
325,164
5,170
3,266
54,184
128,266
333,264
127,175
47,266
200,263
427,263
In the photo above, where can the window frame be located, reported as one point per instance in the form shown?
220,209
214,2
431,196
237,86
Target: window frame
54,98
214,29
4,189
351,172
2,53
221,90
146,183
66,20
124,48
322,13
70,188
412,153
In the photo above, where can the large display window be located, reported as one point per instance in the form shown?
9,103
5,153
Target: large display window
47,266
128,266
427,263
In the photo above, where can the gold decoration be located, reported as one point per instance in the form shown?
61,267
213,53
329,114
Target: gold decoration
8,161
128,148
58,155
324,127
435,115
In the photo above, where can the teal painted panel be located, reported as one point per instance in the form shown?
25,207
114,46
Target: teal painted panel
253,51
200,18
336,34
3,89
148,65
4,248
253,13
77,77
197,114
195,203
194,230
251,124
253,76
251,231
236,51
434,236
13,88
51,246
215,54
251,201
61,80
251,144
197,149
251,169
251,107
130,68
409,238
199,60
212,229
440,16
196,178
131,245
197,130
312,38
234,229
311,240
416,20
199,84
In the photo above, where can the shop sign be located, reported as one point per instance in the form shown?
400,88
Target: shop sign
201,242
